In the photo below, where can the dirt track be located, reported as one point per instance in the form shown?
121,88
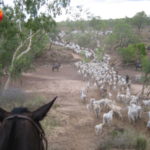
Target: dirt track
76,130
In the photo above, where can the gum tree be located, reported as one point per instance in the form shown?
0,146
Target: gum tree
146,71
23,26
139,20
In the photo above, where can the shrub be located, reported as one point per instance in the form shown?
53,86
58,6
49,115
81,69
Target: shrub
82,39
118,139
127,54
85,59
99,53
1,71
141,143
133,52
146,64
124,139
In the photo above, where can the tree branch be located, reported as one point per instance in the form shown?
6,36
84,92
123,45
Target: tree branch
28,48
15,57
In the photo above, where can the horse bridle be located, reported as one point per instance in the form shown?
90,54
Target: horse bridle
41,132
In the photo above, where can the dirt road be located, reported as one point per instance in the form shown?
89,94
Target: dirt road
76,124
73,125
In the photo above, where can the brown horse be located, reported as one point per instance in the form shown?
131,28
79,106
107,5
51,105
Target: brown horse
20,129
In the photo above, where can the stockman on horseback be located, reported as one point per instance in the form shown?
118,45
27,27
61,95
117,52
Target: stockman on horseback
56,66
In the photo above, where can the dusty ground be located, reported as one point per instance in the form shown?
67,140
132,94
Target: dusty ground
76,131
75,128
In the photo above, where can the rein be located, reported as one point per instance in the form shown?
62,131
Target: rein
41,132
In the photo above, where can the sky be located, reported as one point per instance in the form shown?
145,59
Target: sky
108,9
112,9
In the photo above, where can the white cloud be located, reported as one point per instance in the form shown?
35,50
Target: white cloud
107,9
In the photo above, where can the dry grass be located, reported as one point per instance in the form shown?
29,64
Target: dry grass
125,139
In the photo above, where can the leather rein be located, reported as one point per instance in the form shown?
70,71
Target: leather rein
41,132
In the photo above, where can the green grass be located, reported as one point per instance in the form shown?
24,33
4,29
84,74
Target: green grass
141,143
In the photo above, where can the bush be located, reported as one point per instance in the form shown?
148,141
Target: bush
141,143
133,52
82,39
146,64
1,71
119,140
124,139
99,53
85,59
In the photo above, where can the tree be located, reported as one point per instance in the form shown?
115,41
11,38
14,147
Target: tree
146,70
22,24
78,13
99,53
95,23
139,20
122,35
133,53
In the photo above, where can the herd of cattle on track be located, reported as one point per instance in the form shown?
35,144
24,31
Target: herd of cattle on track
116,94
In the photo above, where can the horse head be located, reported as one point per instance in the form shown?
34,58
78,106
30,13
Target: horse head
20,129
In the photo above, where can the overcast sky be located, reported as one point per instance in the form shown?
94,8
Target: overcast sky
107,9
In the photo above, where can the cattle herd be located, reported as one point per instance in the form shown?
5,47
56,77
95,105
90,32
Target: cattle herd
115,91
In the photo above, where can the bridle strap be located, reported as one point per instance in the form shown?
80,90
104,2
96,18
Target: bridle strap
41,132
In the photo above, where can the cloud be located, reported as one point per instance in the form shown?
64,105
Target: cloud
115,0
113,9
136,0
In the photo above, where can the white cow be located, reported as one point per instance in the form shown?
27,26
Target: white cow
134,112
99,128
107,117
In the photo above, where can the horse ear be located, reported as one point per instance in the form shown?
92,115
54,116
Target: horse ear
3,114
41,112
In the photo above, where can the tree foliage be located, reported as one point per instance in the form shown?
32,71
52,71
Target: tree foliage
139,20
99,52
23,26
122,35
97,24
146,64
133,52
146,70
83,40
9,38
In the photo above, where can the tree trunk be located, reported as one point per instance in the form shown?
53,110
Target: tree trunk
144,84
7,83
148,91
50,46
